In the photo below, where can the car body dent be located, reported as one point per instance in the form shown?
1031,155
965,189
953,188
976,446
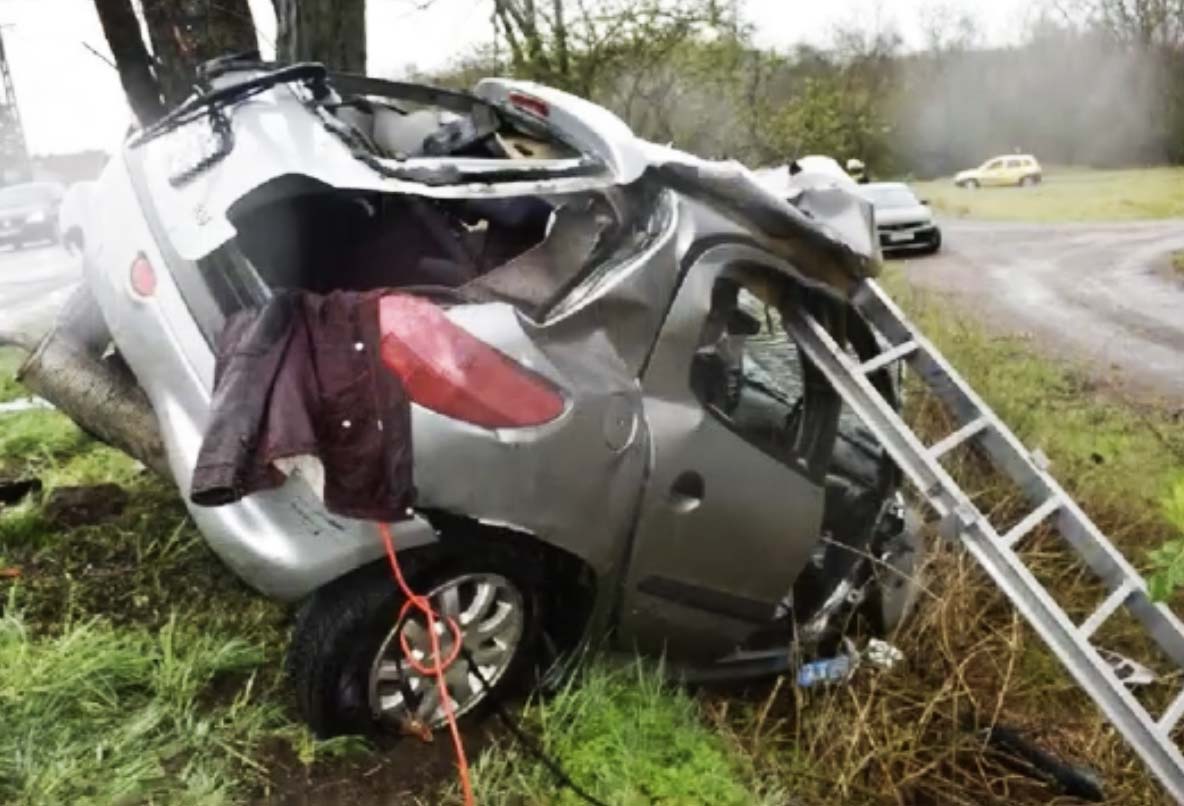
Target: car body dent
579,482
691,584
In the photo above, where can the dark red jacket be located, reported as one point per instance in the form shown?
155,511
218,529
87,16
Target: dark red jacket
304,375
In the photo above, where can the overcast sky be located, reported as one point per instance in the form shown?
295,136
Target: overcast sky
70,100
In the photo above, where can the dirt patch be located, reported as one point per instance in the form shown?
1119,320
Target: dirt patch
83,506
12,491
399,770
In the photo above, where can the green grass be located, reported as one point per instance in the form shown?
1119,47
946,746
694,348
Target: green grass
1068,195
93,713
1178,263
10,361
135,667
626,737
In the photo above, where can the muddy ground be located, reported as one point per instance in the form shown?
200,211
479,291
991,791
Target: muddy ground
1098,294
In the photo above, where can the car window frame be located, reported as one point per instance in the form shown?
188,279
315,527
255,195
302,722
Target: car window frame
821,406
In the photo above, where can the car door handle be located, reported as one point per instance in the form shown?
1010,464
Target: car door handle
687,491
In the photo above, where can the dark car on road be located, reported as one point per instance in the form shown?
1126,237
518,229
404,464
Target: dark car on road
29,213
904,222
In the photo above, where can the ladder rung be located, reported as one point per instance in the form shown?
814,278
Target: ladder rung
1149,736
1172,715
1032,520
1106,609
958,437
888,356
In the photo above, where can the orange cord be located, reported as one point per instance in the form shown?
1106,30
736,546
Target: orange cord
439,666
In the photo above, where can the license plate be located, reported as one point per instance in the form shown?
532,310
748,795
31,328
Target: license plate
899,237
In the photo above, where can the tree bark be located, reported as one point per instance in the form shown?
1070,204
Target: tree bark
100,394
332,32
122,30
185,33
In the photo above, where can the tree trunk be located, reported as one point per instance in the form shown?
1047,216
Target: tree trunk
332,32
122,31
185,33
100,395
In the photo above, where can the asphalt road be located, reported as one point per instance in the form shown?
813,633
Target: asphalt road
1103,295
34,282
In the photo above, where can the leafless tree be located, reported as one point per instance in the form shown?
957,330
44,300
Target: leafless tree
576,44
185,33
1143,22
136,73
328,31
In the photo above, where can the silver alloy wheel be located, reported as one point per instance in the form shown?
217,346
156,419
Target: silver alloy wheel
490,613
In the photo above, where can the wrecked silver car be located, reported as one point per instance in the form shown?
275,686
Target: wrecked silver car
610,433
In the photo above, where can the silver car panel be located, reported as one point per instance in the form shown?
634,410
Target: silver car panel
282,542
706,567
552,481
577,482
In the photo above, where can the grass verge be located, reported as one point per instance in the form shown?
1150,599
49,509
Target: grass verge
97,713
136,668
10,361
627,737
1068,195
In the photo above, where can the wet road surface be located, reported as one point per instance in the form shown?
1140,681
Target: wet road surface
34,282
1103,295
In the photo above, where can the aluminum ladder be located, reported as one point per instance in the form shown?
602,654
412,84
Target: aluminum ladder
1148,735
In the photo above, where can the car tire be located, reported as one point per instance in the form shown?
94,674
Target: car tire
1027,181
344,643
933,246
970,184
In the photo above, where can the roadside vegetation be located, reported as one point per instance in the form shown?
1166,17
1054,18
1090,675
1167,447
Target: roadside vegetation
1068,195
138,669
10,361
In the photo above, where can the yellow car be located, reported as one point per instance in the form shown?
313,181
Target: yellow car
1009,169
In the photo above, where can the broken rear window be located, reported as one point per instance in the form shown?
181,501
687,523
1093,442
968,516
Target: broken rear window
529,251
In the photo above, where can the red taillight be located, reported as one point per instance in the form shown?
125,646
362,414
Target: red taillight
448,370
143,277
528,103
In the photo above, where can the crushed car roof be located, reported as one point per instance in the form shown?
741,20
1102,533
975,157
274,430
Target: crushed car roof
256,122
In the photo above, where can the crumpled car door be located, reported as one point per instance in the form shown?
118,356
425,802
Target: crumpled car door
724,527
